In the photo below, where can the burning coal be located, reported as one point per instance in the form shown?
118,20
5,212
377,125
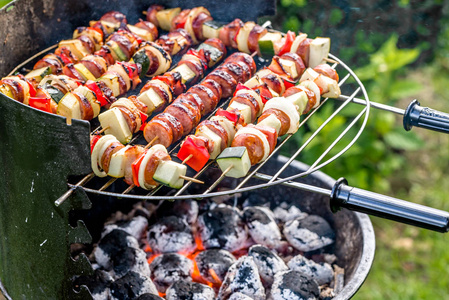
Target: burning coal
183,250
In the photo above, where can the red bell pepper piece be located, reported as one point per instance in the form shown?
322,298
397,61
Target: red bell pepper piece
181,25
43,104
32,89
136,166
289,38
240,87
93,141
264,92
200,154
144,117
288,83
233,117
92,85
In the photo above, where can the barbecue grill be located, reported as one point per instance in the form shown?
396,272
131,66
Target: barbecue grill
39,151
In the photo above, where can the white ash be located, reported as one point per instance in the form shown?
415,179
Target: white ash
321,272
217,260
239,296
171,234
268,263
186,290
261,226
98,284
111,244
293,285
131,286
222,228
283,215
169,268
149,297
130,259
310,233
243,277
183,209
135,227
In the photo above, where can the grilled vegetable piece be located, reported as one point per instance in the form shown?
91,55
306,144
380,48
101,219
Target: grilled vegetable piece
116,124
211,29
169,173
267,43
319,50
196,147
237,158
37,75
101,145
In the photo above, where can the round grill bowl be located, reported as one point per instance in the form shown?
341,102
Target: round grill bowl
42,247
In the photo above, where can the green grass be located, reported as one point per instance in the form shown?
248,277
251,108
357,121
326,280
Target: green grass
412,263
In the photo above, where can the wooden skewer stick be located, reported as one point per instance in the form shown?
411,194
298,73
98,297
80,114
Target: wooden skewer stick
330,60
187,159
191,179
222,176
108,184
254,54
151,142
227,170
101,131
129,189
144,12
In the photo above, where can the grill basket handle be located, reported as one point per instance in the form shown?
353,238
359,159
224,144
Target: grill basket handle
425,117
387,207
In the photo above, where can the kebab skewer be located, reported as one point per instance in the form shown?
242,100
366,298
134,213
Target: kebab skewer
138,165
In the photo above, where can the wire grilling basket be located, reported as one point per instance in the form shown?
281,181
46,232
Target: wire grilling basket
274,177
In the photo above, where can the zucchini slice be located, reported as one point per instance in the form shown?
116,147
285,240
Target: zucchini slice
211,29
169,173
238,158
267,43
165,17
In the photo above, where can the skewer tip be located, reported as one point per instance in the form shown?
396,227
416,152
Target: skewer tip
191,179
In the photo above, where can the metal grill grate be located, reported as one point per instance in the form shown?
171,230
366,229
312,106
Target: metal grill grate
243,185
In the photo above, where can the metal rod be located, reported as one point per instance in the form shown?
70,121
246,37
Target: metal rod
381,106
67,194
315,133
296,185
338,139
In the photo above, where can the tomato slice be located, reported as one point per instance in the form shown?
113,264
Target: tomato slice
93,141
43,104
200,154
233,117
289,38
92,85
136,166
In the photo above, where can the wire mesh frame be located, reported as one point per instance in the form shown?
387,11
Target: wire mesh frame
272,179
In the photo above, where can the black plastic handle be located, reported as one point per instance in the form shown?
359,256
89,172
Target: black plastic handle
387,207
425,117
